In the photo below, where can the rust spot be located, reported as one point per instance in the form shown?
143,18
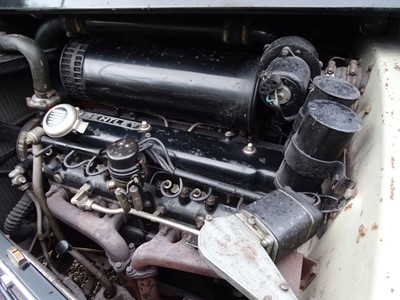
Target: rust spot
362,230
367,109
392,187
392,160
249,253
396,67
374,226
348,206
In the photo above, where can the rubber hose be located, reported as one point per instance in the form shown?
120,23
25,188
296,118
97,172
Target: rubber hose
17,214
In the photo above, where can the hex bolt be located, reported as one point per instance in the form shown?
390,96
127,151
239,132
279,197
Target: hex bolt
284,286
209,218
129,269
131,246
118,264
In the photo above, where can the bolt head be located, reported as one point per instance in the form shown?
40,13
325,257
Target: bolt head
284,286
249,149
264,243
209,218
228,133
252,220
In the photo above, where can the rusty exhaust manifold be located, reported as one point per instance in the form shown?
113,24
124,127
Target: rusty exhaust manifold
168,250
102,230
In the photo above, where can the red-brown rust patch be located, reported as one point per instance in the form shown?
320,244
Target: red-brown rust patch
374,226
362,231
348,206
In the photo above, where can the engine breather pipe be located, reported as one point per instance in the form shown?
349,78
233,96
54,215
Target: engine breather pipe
44,95
147,216
33,137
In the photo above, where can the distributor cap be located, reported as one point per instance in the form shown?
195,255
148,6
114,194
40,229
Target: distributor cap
123,157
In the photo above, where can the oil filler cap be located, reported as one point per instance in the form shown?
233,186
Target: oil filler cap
62,119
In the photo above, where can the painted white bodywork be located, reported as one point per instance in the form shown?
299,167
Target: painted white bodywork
359,254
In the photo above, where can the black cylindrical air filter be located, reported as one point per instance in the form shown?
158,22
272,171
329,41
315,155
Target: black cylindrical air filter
329,88
324,132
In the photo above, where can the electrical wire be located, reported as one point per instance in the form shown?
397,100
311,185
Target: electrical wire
165,194
90,163
167,156
202,198
194,126
151,180
75,166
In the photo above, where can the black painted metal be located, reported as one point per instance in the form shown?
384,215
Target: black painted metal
329,88
326,129
217,158
194,84
290,217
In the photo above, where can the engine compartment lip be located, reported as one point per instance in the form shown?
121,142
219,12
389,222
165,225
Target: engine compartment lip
190,6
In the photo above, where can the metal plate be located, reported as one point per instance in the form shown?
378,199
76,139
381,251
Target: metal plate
236,255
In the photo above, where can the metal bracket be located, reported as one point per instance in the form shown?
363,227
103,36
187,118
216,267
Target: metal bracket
236,254
312,167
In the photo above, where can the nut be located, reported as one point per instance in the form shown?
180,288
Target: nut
249,149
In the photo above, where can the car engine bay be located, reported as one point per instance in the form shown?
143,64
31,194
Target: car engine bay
178,156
